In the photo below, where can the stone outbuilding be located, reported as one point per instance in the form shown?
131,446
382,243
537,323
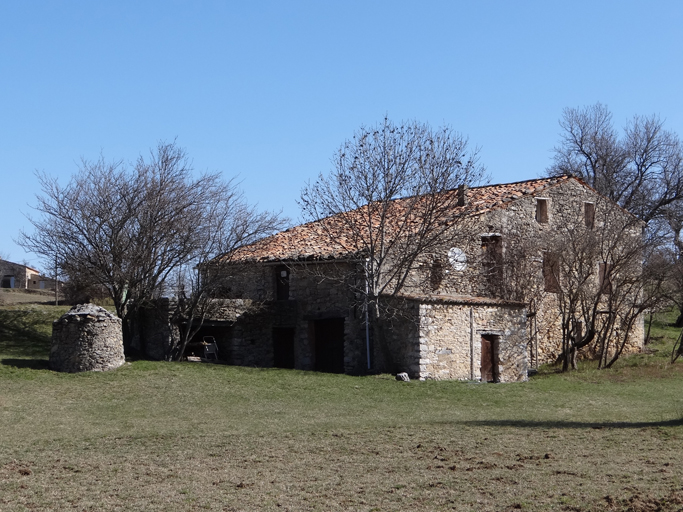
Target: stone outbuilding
86,338
15,275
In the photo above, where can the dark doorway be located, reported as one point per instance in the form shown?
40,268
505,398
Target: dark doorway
329,345
6,282
283,347
221,334
489,358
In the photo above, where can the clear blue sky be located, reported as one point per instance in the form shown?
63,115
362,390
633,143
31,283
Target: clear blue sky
267,90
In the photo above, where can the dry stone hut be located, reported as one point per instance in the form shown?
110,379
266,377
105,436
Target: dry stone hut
86,338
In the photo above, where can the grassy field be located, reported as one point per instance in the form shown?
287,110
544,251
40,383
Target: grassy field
190,436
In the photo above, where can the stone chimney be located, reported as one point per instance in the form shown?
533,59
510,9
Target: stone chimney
462,195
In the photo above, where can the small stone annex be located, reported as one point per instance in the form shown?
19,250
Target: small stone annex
289,308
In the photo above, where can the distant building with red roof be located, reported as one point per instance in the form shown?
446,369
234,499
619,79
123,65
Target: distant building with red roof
16,275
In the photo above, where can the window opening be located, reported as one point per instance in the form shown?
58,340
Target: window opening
604,278
551,272
492,262
281,283
436,273
542,211
589,214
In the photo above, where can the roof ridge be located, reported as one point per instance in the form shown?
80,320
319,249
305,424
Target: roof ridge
312,240
547,179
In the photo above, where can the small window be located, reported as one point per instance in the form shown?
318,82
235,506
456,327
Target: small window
604,278
281,283
551,272
542,211
492,262
436,274
589,214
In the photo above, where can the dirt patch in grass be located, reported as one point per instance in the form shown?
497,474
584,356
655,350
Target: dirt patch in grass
425,468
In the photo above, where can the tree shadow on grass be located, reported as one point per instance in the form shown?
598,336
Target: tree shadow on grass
24,334
31,364
573,424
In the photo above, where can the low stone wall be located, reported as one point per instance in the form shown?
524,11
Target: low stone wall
86,338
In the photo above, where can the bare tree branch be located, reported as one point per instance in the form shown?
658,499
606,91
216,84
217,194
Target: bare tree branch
130,230
642,170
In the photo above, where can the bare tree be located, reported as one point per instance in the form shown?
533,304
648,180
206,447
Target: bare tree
391,201
201,282
641,169
601,287
130,229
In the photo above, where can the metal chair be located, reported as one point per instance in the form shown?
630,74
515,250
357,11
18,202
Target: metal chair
210,347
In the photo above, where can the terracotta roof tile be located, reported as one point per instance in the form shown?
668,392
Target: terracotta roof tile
312,241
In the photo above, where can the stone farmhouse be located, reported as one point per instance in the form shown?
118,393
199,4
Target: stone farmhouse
286,305
15,275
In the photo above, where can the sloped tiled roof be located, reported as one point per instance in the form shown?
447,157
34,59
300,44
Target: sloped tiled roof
314,240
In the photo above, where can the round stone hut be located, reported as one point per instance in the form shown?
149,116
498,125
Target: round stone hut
86,338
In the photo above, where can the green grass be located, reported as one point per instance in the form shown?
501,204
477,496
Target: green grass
182,436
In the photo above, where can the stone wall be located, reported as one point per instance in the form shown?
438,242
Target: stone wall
153,334
156,335
522,239
316,292
428,340
86,338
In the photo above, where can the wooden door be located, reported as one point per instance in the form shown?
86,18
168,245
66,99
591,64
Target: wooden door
489,358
